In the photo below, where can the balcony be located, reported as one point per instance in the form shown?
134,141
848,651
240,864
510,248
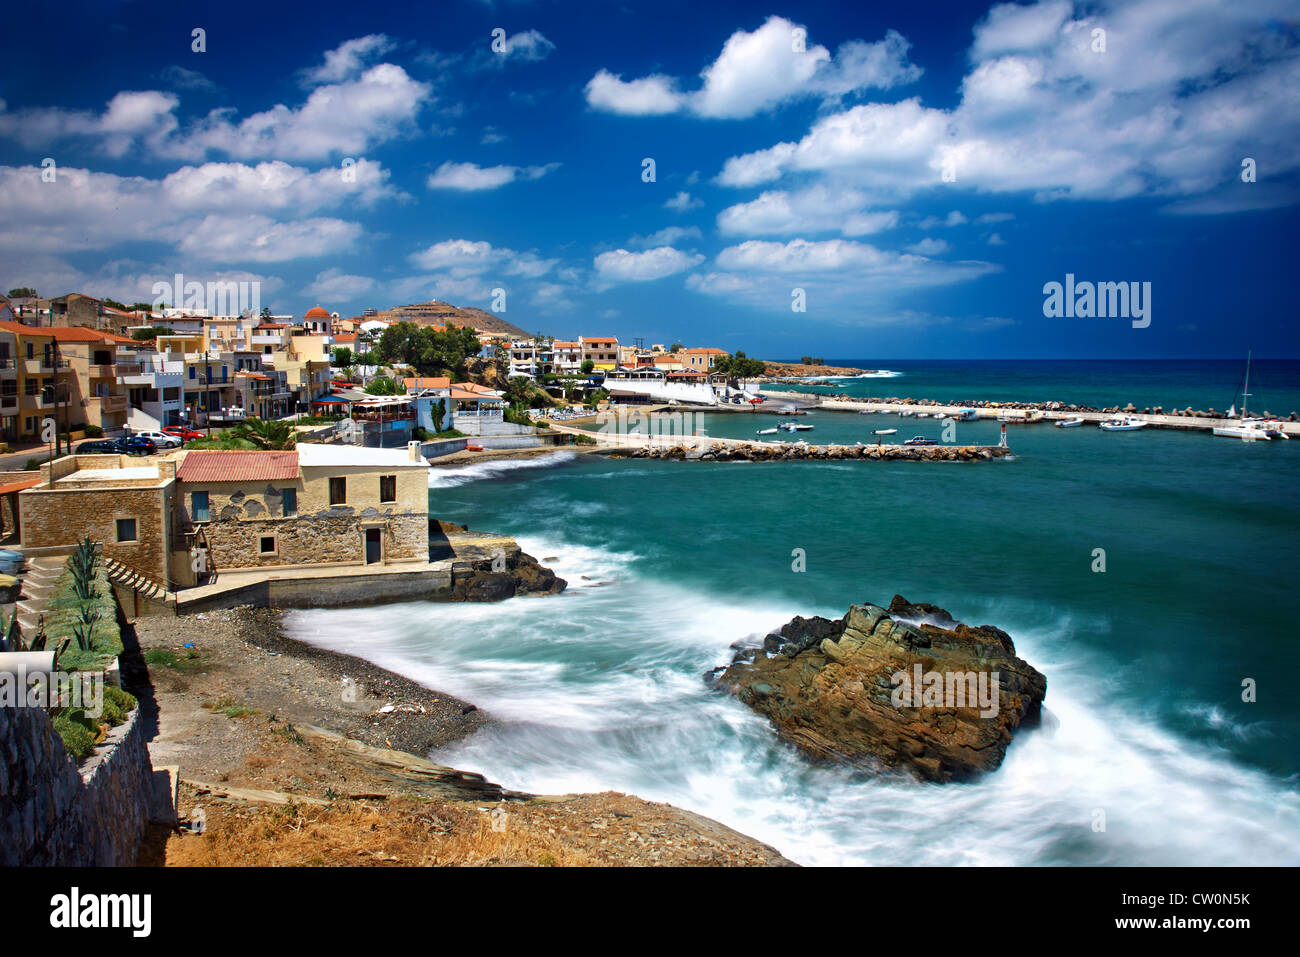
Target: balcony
110,403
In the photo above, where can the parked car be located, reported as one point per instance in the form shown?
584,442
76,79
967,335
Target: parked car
98,447
135,445
182,432
11,562
920,440
160,439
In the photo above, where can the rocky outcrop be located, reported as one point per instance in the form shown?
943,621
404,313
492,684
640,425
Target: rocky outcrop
790,451
908,688
521,575
489,567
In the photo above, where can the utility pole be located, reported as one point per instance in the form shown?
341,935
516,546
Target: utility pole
206,404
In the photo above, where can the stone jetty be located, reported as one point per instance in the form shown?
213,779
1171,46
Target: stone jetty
791,451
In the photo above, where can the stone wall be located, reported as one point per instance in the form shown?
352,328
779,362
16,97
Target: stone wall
61,517
317,539
54,814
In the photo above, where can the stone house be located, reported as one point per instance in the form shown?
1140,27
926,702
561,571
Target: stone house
316,505
126,503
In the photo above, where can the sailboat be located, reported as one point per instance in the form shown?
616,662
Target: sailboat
1245,427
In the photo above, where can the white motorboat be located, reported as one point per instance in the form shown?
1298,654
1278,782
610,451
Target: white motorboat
795,427
1125,423
767,431
885,432
1070,423
967,415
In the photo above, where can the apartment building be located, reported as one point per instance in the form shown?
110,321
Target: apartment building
34,379
601,350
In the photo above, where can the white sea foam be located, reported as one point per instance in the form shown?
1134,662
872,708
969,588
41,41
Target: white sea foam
452,476
602,687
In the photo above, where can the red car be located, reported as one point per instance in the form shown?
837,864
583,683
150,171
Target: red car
182,432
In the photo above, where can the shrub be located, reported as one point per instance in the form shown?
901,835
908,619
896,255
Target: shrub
117,705
94,432
32,465
77,738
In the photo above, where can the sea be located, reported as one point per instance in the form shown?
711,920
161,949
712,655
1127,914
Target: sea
1171,723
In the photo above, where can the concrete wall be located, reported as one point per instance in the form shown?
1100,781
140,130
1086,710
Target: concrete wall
54,814
441,447
341,592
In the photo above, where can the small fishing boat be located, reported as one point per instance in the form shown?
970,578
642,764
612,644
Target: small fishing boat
1069,423
767,431
1125,423
967,415
885,432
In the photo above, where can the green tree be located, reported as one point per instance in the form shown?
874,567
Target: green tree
271,435
22,292
385,385
806,360
587,366
114,304
739,367
677,347
343,356
151,332
266,312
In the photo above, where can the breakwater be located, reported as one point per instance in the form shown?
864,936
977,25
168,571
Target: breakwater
789,451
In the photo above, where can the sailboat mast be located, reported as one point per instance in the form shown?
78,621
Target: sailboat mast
1245,394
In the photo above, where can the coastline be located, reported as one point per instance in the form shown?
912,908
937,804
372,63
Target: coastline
287,772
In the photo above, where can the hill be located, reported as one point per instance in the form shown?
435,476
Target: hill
435,312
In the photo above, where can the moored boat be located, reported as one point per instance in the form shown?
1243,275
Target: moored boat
1070,423
1125,423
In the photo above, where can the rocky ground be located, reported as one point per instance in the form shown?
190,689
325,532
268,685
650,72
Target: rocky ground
829,688
297,755
799,370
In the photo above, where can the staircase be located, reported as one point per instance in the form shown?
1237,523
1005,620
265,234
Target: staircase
125,576
38,584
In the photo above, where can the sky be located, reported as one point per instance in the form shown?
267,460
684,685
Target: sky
859,180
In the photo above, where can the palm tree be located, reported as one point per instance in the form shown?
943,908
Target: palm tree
270,435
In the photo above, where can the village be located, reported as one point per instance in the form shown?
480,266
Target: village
131,428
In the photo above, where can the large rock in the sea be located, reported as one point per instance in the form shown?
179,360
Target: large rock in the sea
908,688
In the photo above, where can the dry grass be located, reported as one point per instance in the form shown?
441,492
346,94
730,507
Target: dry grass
403,832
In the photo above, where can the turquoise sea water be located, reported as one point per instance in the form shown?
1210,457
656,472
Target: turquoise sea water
669,563
1177,383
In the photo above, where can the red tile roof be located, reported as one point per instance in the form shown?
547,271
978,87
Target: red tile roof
205,466
427,382
19,485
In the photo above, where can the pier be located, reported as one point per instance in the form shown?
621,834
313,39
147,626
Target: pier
714,449
1192,423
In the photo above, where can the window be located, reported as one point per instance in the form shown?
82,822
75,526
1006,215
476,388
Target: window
126,530
266,544
31,350
289,499
388,488
199,506
338,491
193,370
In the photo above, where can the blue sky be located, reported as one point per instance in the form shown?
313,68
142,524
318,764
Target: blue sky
919,171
